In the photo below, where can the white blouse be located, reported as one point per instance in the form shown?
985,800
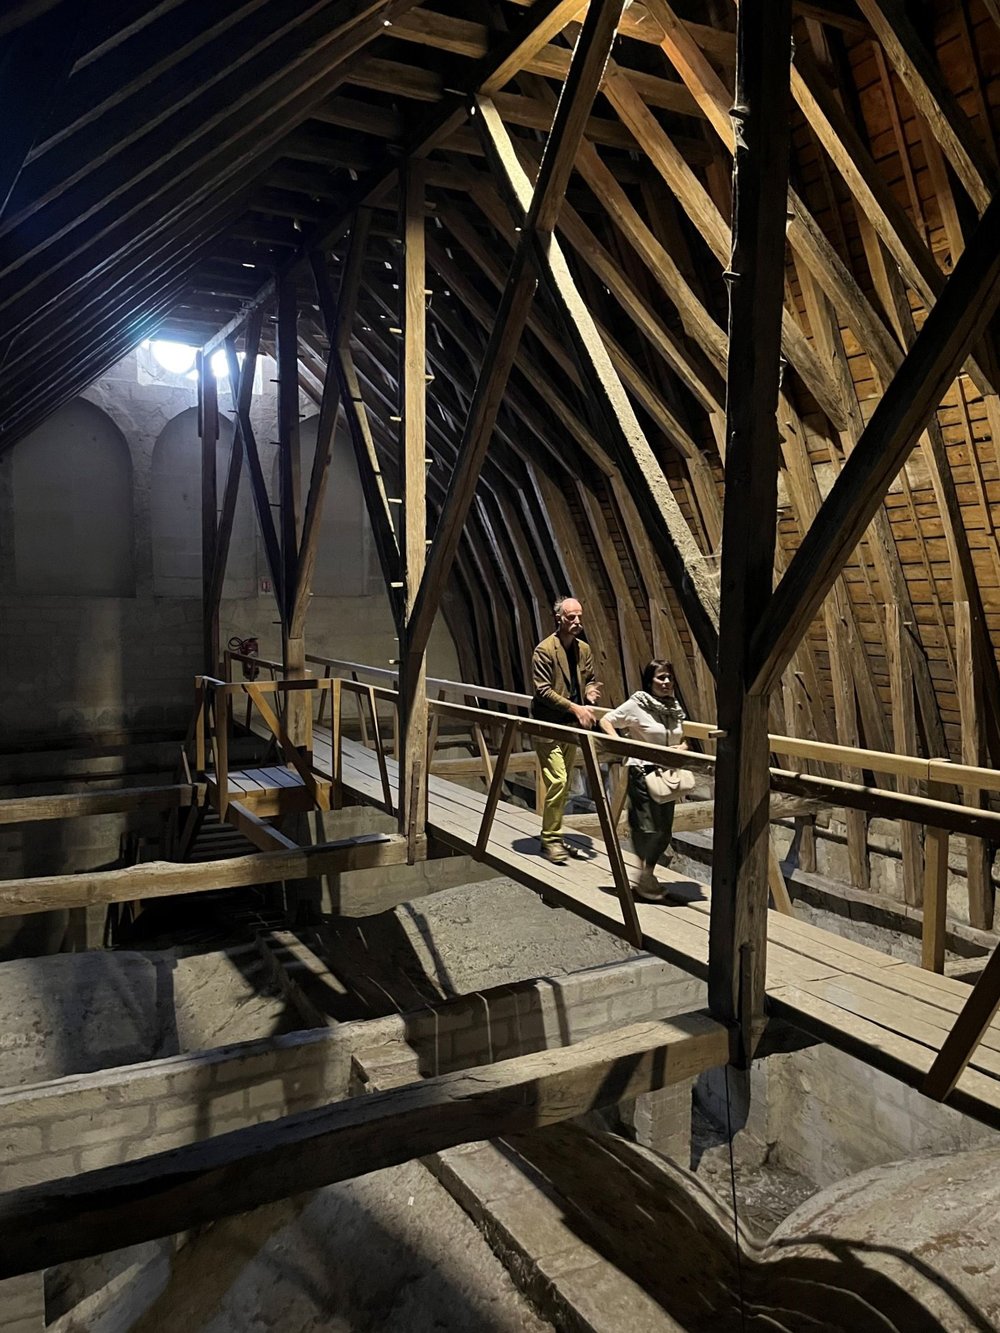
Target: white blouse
640,725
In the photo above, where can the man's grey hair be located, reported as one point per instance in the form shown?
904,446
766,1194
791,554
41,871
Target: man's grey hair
557,605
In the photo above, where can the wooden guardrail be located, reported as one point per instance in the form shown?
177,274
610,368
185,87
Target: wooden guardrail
939,817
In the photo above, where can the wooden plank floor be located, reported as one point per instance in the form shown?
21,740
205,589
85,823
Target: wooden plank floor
888,1013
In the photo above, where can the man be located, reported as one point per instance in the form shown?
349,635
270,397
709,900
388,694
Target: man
562,671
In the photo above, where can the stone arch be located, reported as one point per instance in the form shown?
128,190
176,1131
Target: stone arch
175,512
72,512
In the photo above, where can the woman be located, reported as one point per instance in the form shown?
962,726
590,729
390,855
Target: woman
653,715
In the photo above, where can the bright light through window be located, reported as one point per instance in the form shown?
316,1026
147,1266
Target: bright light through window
174,357
220,366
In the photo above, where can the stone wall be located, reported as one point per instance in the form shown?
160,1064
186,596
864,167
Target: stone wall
88,1121
825,1115
111,664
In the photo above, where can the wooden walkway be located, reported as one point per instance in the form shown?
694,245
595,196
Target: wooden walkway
890,1014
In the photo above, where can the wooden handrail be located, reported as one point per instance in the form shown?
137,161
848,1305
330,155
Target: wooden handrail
939,770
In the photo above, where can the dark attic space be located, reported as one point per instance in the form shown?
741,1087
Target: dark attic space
499,693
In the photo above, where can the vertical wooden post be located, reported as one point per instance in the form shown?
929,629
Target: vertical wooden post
904,735
413,667
298,704
208,429
848,733
935,889
971,705
336,734
738,931
289,462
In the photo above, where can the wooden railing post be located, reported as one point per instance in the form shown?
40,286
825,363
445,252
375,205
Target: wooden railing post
383,768
933,931
336,730
630,917
220,709
496,786
199,727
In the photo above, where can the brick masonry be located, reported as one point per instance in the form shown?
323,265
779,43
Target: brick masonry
85,1122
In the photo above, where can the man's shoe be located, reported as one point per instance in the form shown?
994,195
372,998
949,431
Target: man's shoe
554,852
647,888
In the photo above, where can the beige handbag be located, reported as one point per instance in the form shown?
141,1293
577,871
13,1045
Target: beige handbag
668,784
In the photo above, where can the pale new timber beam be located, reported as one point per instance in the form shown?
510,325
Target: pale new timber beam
412,804
959,317
174,1191
553,16
667,528
162,879
738,929
586,70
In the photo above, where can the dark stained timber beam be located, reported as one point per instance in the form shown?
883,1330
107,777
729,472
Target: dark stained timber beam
208,431
738,928
255,474
34,65
620,433
586,70
959,318
338,318
287,351
174,1191
443,121
312,517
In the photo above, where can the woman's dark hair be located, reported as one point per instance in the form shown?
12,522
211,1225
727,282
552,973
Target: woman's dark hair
650,670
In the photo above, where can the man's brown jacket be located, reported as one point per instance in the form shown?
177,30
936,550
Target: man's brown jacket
551,682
